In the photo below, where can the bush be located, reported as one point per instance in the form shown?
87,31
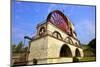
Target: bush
34,61
75,59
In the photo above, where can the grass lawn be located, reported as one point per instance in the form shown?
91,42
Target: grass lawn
87,59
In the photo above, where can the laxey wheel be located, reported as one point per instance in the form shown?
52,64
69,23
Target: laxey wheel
60,20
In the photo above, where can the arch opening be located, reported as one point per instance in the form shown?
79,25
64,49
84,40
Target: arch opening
57,35
42,31
65,51
77,53
69,40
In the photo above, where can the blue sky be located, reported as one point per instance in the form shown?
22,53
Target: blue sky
26,15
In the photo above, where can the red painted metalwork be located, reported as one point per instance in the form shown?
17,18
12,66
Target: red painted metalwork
59,19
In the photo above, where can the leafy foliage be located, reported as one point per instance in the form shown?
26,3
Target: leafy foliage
19,47
92,44
13,47
90,49
75,59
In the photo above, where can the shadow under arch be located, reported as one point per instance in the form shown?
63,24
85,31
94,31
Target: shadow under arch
65,51
77,53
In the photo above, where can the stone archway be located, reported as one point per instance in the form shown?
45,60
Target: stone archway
77,53
65,51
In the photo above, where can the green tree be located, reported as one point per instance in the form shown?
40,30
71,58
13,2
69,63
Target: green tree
13,47
92,44
19,47
25,49
90,49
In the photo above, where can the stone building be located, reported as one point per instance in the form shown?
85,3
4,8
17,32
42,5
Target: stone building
55,41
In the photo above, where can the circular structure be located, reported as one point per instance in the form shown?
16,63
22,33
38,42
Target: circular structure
42,31
60,20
